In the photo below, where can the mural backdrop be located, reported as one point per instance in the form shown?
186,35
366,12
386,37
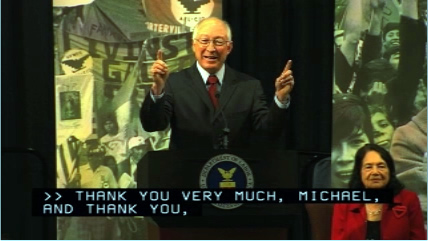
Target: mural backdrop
380,87
103,52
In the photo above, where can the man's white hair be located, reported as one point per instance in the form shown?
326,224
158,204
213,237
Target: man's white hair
228,28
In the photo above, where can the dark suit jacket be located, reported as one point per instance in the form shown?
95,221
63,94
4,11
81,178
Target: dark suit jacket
403,220
194,121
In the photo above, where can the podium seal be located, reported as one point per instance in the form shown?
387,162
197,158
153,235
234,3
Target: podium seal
226,171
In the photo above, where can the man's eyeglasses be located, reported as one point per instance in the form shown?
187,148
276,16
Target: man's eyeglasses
204,42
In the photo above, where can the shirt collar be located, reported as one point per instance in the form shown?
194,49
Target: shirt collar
205,75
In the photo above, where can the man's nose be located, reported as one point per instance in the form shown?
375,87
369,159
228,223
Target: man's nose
211,46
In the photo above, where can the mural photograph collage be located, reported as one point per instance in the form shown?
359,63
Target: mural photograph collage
380,88
104,50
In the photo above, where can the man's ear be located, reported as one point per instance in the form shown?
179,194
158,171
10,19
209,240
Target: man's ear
229,46
193,45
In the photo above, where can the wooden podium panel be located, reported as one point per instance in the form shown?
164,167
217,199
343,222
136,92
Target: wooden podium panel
181,170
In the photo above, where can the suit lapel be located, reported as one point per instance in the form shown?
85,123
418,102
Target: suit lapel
200,88
229,85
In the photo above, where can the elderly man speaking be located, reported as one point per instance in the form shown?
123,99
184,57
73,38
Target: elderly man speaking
198,102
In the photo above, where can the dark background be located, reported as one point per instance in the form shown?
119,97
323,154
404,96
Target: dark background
266,33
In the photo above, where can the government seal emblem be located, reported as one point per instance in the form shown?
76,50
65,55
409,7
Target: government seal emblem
226,171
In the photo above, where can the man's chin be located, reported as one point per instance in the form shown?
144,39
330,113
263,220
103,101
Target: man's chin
210,66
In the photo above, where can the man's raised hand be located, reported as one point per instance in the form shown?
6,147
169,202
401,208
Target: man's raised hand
159,72
284,83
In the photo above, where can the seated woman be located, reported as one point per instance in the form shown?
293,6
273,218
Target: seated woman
401,219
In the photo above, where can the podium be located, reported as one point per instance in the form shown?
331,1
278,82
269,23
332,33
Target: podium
181,170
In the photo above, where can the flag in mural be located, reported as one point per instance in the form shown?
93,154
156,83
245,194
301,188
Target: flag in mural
74,94
380,87
103,52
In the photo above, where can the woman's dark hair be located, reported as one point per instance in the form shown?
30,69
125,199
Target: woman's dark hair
356,180
349,115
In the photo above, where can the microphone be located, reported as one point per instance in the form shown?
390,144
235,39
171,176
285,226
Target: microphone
223,138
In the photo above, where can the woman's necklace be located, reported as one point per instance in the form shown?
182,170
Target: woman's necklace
374,213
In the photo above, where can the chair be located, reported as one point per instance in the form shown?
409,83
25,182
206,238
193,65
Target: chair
320,214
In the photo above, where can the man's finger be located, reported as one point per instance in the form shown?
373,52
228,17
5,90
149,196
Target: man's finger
288,65
159,54
285,74
287,80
